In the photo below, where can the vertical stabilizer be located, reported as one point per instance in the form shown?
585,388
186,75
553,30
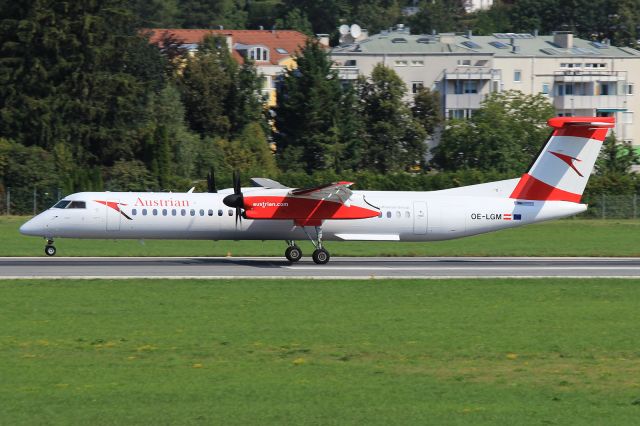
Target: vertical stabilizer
562,169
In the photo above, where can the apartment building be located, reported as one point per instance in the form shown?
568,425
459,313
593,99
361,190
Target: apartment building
580,77
271,51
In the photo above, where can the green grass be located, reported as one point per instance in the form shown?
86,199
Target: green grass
572,237
320,352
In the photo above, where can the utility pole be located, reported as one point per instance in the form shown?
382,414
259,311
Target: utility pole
8,200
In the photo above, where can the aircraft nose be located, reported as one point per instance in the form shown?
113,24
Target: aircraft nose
30,228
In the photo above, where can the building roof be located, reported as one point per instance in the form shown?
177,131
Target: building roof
498,45
282,44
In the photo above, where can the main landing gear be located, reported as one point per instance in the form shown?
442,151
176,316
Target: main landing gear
50,249
320,255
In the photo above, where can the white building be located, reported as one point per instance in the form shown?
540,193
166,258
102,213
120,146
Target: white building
580,77
475,5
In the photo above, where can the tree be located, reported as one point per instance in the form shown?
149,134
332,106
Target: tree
426,109
295,19
395,140
307,111
212,13
503,135
206,81
440,15
616,157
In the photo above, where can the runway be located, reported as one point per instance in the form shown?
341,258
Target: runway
341,267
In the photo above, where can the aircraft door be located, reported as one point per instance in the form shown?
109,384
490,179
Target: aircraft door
419,217
113,217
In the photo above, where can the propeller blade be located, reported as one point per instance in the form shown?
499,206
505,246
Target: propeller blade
211,181
236,182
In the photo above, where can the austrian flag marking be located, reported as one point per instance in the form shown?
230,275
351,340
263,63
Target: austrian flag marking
509,216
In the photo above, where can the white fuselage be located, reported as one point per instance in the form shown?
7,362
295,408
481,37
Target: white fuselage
405,216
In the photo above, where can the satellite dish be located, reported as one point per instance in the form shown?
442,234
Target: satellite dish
355,31
344,29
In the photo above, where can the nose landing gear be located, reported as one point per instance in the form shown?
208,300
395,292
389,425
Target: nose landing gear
50,249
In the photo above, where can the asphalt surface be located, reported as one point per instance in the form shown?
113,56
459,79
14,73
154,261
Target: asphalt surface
345,267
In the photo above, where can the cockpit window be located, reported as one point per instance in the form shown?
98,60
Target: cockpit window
61,204
77,205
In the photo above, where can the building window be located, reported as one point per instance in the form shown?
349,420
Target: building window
464,62
259,54
629,89
401,63
416,86
417,63
470,86
606,89
545,88
627,117
517,76
460,114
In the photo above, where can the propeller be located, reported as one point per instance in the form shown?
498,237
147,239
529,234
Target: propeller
211,181
236,199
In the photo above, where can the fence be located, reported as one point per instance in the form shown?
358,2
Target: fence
30,202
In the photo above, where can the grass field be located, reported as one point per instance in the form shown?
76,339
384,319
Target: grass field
456,352
571,237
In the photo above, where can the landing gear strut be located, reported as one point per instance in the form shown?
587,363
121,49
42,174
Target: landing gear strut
50,249
320,255
293,252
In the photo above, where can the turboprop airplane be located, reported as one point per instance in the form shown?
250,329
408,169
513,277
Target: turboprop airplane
551,189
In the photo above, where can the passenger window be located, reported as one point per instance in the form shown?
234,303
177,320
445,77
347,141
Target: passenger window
61,204
144,212
398,214
388,214
201,212
164,212
77,205
192,212
155,212
174,212
210,212
407,214
134,211
220,213
230,212
183,212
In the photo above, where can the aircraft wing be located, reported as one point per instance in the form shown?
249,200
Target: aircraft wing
337,192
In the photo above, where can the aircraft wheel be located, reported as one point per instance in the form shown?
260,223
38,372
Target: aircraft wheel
50,250
293,253
321,256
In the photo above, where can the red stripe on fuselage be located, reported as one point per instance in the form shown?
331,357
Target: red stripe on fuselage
305,209
530,188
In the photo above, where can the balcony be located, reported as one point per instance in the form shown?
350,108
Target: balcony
472,73
571,102
346,72
465,101
577,76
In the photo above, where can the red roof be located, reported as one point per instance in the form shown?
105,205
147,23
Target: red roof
289,40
